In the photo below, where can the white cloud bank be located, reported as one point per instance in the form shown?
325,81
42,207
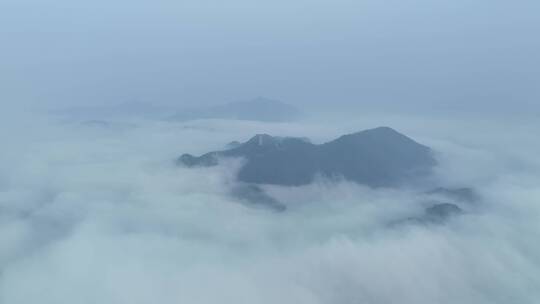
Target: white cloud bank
99,214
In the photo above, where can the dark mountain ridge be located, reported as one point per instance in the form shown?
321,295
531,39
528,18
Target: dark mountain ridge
380,157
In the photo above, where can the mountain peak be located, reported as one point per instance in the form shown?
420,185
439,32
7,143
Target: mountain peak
263,140
379,131
383,129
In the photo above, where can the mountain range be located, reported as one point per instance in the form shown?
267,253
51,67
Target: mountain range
380,157
258,109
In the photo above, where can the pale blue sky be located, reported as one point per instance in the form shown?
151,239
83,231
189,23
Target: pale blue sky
408,53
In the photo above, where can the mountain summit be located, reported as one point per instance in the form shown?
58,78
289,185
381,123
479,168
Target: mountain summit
378,157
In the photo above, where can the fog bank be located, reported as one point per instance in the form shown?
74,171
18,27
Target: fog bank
100,213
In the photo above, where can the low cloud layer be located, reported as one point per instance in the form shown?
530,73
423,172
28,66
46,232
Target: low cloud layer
100,214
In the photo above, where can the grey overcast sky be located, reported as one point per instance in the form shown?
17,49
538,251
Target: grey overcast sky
410,54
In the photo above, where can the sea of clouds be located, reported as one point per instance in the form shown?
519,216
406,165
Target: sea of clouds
98,212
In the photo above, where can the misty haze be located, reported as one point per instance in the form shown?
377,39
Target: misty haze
235,151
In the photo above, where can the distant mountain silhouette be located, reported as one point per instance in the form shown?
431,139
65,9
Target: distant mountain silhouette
444,204
378,157
256,197
259,109
467,195
436,214
442,211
